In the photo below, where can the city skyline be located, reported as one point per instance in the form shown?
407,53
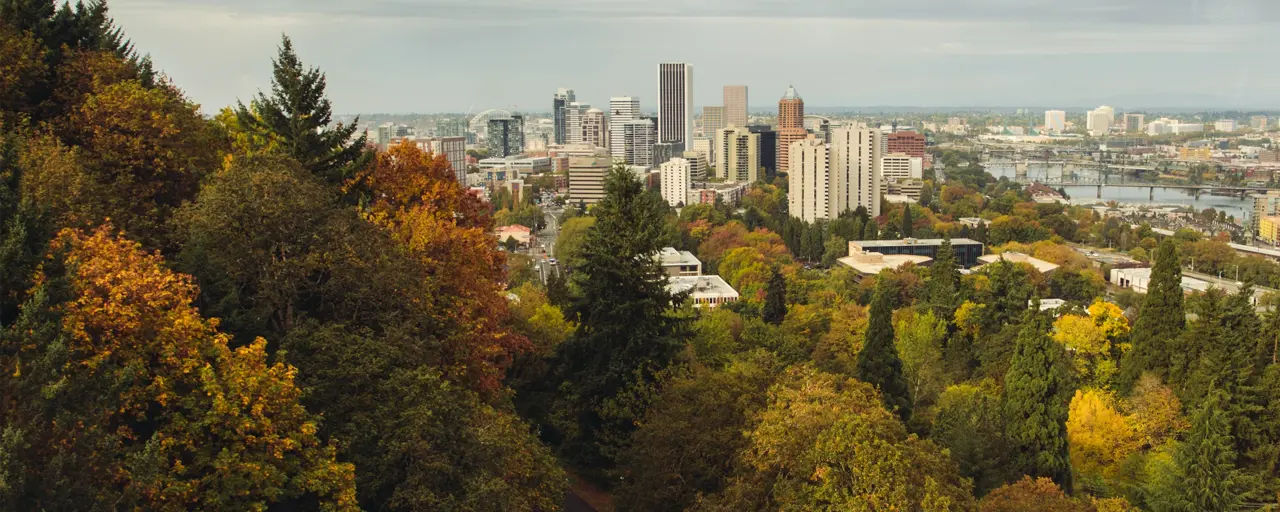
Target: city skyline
425,56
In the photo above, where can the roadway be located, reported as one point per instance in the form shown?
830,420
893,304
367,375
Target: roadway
546,248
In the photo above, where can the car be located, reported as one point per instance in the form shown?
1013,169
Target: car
553,261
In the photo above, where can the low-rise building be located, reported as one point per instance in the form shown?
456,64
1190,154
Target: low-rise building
872,263
1139,279
523,235
526,165
586,179
729,193
679,263
704,291
1040,265
967,251
973,222
1269,230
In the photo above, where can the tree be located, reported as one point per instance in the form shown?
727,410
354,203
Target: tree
908,226
1040,494
1100,437
1204,476
944,282
775,299
571,241
970,426
919,344
298,113
869,231
835,248
926,194
1092,341
1161,321
878,361
626,335
1035,402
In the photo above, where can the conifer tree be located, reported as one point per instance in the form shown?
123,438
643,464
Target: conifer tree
908,226
869,231
626,333
1205,476
1036,402
775,299
878,362
944,282
299,115
1161,321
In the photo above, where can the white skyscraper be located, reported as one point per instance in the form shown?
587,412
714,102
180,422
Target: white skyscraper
574,115
636,144
1104,111
855,169
810,194
621,110
677,179
1099,122
595,129
675,104
900,166
1055,121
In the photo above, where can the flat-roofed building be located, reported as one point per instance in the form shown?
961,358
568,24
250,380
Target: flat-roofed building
1139,280
586,179
1269,230
704,291
524,164
872,263
1040,265
679,263
967,251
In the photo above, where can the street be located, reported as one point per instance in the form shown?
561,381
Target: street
545,250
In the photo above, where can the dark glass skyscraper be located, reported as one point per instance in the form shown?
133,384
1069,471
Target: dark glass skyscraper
559,106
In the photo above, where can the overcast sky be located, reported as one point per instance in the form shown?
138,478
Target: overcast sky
461,55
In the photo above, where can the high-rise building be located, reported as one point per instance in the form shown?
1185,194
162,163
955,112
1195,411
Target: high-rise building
697,165
855,167
1134,122
705,146
1090,118
675,103
506,136
735,105
895,167
790,125
666,151
712,120
739,155
595,129
621,110
586,179
636,143
451,128
768,149
1099,122
454,149
1055,121
1258,123
1225,125
677,180
575,114
810,194
1265,205
907,142
561,100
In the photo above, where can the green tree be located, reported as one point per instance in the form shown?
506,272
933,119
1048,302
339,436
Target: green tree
908,225
298,114
944,282
1203,475
572,240
878,361
627,335
970,426
835,248
1161,321
775,299
869,231
919,344
1036,403
926,194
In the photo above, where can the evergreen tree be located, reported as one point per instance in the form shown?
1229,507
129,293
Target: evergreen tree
1206,461
926,194
858,229
944,282
869,231
1161,321
299,115
626,335
908,225
1036,400
862,214
980,233
775,299
878,362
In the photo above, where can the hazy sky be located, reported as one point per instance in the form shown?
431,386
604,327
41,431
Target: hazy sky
460,55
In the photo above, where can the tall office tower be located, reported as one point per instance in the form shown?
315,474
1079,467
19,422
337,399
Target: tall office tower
561,100
1099,122
666,151
621,110
636,142
1134,122
739,155
790,125
705,146
677,179
768,149
1104,111
1055,121
810,193
735,105
855,169
595,129
911,143
712,120
455,149
574,115
506,136
675,103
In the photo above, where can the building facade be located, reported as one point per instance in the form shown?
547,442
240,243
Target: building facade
1099,122
454,149
675,103
506,136
790,125
740,155
559,103
1258,123
575,114
586,179
621,110
1055,121
906,142
1134,123
896,167
677,180
768,148
595,129
856,168
697,165
1225,125
636,142
967,251
1265,205
712,120
1269,230
706,147
809,191
735,105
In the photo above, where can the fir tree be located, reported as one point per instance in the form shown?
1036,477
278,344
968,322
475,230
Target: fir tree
775,299
869,231
878,362
944,282
1161,321
626,335
1206,461
299,115
1036,400
908,226
980,233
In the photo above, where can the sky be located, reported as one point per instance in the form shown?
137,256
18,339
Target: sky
424,56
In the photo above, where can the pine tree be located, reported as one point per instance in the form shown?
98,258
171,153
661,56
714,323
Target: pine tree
878,362
908,226
980,233
1036,400
944,282
1206,461
1161,321
626,335
869,231
775,299
299,115
926,194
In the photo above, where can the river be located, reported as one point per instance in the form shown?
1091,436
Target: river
1088,194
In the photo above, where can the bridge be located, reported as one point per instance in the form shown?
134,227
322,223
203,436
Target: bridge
1242,191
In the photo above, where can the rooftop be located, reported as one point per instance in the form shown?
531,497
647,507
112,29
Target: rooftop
791,94
671,257
915,241
701,286
871,263
1040,265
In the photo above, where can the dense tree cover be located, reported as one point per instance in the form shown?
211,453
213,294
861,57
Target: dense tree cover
1161,321
878,361
1035,403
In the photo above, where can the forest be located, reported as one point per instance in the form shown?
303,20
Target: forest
256,310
